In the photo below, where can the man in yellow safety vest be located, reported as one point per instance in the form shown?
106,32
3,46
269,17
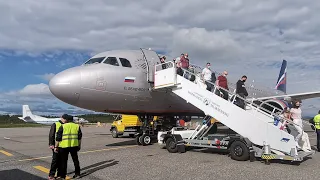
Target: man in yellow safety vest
316,121
68,140
55,156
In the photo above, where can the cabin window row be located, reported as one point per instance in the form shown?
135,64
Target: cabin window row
110,60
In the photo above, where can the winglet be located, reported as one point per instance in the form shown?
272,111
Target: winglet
282,79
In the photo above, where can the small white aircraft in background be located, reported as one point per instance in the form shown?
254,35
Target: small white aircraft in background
27,116
80,120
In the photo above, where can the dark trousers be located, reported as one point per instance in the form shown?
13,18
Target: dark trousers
55,164
240,102
64,160
180,71
225,94
209,86
318,139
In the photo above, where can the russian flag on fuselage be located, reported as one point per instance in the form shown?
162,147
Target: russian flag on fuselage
129,79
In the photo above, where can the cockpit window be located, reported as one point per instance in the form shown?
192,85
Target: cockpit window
125,62
112,61
95,60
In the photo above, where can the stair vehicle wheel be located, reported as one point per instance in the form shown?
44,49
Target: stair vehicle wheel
145,140
114,132
239,151
138,140
171,145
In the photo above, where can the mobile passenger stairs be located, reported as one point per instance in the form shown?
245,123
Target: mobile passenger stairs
255,135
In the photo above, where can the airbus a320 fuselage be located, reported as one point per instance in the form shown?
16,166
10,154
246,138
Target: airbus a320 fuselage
121,81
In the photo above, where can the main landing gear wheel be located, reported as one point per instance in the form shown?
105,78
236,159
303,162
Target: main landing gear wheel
145,139
138,140
239,151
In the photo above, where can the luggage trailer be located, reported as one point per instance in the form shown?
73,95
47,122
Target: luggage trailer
179,140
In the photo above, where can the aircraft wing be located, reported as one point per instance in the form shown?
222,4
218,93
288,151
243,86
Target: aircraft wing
300,96
21,118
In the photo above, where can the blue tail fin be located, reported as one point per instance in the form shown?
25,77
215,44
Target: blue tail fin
282,79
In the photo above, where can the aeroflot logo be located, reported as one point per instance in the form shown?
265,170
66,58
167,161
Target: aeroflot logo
206,101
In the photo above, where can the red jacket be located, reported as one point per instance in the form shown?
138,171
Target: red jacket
184,62
223,82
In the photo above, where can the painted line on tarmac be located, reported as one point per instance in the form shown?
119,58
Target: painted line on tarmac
6,153
46,170
31,159
85,152
108,149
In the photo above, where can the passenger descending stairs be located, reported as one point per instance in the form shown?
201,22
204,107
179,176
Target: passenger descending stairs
255,125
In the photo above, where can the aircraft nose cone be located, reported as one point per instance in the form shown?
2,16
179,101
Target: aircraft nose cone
66,85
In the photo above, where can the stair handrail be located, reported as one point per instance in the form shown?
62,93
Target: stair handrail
255,106
234,95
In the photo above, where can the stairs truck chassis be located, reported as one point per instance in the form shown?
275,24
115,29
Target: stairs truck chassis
239,148
255,132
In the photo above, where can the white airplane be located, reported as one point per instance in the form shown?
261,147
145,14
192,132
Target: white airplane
80,120
27,116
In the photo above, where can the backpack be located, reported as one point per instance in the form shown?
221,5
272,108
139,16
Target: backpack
213,77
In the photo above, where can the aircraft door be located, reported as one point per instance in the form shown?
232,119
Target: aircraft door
151,58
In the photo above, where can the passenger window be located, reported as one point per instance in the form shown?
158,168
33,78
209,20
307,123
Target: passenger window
112,61
125,62
95,60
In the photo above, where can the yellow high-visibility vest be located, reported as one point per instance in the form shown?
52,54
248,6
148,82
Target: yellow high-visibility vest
316,121
69,135
58,124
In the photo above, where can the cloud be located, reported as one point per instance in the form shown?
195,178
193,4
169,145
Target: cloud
35,89
225,30
199,42
57,58
40,100
32,90
240,36
46,76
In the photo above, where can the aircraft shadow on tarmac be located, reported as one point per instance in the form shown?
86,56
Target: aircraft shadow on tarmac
85,171
18,174
124,143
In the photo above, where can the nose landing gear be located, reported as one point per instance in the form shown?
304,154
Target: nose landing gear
147,132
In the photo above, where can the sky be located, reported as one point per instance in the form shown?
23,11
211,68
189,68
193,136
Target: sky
39,38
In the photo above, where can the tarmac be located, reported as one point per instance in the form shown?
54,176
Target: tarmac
24,154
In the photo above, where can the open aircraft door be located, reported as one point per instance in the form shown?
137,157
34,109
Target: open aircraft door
151,58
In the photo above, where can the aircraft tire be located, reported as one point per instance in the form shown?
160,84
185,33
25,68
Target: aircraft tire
239,151
138,140
171,145
114,132
145,140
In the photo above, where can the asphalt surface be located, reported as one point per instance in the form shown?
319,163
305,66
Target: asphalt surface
24,154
